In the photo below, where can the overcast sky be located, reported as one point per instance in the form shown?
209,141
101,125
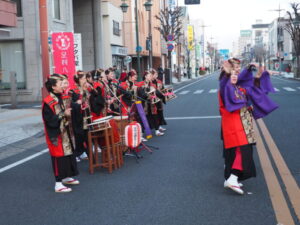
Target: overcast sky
227,17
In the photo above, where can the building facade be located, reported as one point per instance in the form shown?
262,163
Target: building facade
20,46
280,46
143,30
244,44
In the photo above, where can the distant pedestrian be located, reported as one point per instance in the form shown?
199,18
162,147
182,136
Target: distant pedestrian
123,75
116,71
56,113
160,72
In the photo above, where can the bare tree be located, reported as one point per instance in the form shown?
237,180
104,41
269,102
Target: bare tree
211,53
293,28
214,55
260,53
170,24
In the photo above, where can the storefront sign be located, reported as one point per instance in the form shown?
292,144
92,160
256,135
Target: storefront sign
63,54
78,51
190,37
116,50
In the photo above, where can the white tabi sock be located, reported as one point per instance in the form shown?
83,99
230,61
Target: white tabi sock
59,185
233,180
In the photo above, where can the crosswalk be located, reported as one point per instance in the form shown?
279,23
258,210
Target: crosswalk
214,91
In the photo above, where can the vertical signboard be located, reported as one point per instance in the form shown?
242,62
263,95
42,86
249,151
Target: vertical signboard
190,37
63,54
78,51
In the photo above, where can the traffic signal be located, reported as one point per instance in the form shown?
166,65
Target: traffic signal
148,44
191,2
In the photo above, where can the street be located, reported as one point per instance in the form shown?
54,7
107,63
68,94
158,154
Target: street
181,183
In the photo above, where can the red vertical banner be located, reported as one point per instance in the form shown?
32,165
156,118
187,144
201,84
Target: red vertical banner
63,54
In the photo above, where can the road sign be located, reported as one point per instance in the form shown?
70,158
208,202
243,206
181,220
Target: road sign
139,48
170,37
191,2
170,47
49,40
224,53
127,59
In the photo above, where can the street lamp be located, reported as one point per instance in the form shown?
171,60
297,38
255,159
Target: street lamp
148,6
124,8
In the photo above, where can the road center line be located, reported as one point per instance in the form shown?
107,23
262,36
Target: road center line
23,160
290,183
193,117
280,206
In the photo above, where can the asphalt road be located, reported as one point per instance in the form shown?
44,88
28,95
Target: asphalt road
179,184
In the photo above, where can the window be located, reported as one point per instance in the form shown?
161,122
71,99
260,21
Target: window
116,28
258,33
19,7
56,9
11,60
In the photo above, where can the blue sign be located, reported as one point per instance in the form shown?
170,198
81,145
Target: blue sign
49,40
224,53
170,37
170,47
138,48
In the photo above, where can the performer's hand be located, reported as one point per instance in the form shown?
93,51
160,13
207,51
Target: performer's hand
79,102
227,67
68,112
260,71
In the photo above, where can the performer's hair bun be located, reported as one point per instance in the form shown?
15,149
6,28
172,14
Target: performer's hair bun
51,81
78,76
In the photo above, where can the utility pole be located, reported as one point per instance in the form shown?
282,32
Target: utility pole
211,42
43,11
137,41
203,40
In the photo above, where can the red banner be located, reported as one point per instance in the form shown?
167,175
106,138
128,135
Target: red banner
63,54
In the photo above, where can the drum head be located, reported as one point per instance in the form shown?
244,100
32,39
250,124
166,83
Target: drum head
120,118
102,119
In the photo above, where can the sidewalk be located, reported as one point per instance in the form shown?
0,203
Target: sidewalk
19,124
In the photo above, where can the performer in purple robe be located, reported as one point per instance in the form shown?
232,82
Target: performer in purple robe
241,101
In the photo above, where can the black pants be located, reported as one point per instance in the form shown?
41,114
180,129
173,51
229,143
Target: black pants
81,143
249,169
64,166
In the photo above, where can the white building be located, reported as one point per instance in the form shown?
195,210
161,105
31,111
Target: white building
113,42
260,34
280,45
244,42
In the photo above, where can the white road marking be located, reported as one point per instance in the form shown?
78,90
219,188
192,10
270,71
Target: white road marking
276,89
282,79
3,105
193,117
23,160
213,90
198,92
184,92
208,76
288,89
